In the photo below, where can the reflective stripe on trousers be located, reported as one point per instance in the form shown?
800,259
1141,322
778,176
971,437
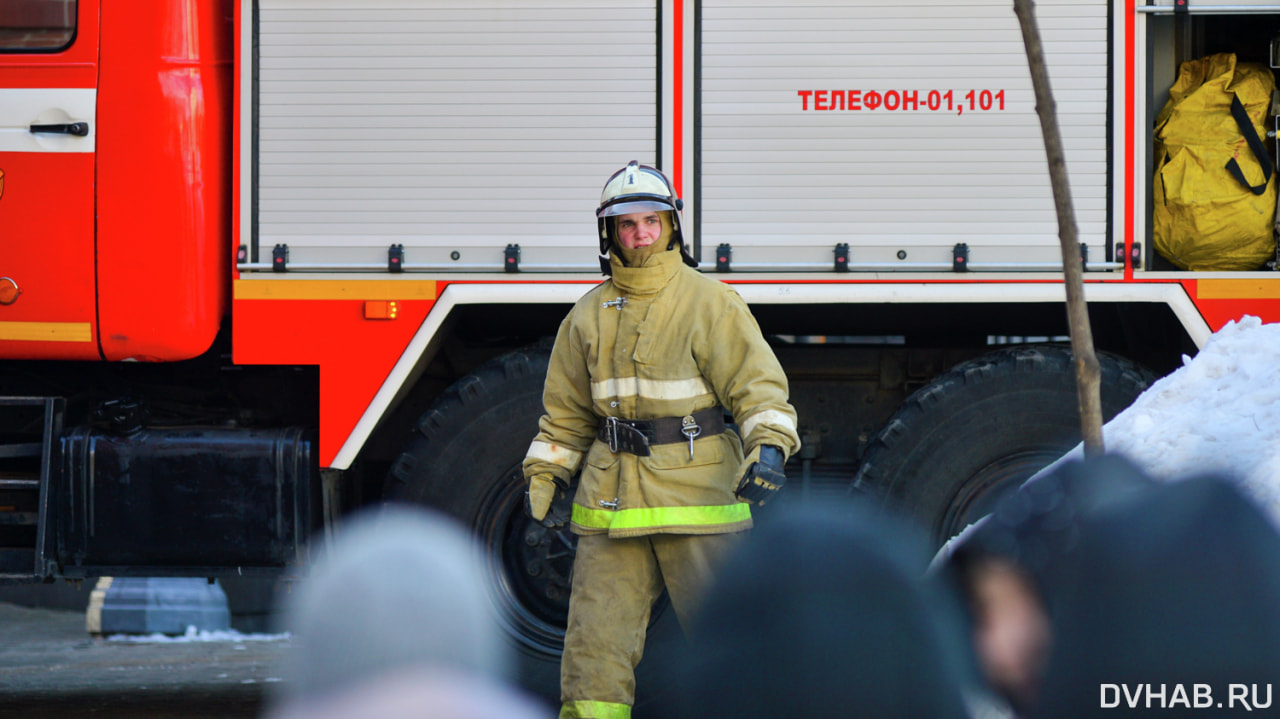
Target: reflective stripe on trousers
594,710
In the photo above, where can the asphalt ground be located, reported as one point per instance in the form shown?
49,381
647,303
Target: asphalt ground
51,667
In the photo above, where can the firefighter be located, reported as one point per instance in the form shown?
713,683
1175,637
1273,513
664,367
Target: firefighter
644,369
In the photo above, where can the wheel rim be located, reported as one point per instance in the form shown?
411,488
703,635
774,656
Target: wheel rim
984,489
528,566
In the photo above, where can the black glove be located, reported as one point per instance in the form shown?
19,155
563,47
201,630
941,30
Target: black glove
763,476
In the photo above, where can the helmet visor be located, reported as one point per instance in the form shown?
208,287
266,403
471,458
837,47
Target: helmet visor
630,205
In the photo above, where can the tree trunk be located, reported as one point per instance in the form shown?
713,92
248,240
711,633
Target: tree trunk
1088,374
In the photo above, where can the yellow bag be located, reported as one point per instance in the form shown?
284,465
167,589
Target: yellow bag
1215,201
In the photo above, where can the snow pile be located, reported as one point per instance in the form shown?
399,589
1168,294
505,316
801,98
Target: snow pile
194,635
1219,413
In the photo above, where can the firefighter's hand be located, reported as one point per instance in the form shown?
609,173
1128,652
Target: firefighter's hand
543,490
762,474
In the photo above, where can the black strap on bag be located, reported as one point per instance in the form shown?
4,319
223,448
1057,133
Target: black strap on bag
1255,144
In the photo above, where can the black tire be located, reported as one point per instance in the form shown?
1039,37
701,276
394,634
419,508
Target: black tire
975,433
463,458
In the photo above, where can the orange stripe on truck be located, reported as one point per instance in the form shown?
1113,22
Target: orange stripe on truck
1238,289
292,289
46,331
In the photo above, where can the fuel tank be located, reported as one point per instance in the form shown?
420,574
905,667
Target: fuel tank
193,501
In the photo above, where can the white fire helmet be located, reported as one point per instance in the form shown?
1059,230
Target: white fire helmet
639,188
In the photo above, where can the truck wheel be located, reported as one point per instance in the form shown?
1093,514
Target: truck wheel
975,433
463,458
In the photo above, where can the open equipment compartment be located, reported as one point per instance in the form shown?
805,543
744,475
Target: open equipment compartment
1250,29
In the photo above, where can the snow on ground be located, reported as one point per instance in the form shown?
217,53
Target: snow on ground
1219,413
193,635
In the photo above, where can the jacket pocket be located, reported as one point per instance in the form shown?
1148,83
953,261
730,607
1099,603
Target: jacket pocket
669,478
599,479
708,450
600,457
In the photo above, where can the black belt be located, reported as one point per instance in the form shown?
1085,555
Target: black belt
637,435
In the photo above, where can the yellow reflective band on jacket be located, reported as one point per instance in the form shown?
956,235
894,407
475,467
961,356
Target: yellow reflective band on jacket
646,517
594,710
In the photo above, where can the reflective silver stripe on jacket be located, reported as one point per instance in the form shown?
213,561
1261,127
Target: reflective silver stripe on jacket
769,418
554,454
661,389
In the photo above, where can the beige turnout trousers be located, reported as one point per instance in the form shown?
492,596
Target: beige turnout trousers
615,583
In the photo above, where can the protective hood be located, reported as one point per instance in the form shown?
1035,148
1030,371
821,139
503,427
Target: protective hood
638,256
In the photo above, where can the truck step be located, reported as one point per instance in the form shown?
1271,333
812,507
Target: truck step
29,429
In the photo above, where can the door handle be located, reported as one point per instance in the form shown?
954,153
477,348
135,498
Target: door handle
79,129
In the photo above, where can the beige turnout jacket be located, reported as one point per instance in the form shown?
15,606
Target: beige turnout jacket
657,341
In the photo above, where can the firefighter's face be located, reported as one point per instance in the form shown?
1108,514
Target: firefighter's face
639,229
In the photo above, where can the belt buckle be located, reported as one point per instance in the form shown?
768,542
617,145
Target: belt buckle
611,431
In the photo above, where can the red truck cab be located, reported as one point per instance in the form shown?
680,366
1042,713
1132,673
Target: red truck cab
115,152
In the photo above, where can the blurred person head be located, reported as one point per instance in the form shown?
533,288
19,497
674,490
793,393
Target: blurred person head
1007,567
1175,587
822,612
394,621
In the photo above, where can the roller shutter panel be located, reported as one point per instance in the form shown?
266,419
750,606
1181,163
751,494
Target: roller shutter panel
448,127
837,121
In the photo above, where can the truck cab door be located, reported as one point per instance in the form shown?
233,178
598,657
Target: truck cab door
48,100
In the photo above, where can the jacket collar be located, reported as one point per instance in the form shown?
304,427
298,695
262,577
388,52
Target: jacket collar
652,276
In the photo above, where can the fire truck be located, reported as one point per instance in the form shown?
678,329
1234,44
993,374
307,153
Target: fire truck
266,262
